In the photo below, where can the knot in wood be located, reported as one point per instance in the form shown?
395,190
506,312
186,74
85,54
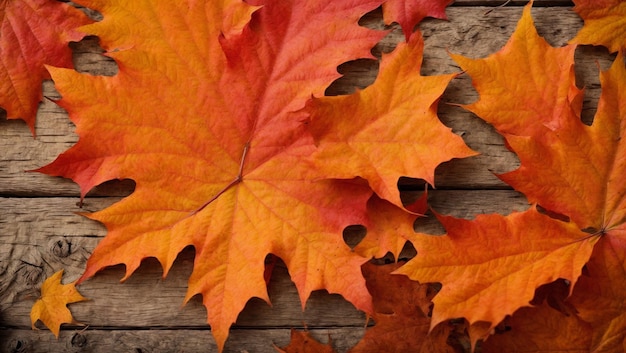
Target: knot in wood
17,346
78,340
61,247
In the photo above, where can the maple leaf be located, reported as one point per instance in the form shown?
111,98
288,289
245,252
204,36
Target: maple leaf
33,33
605,23
51,308
395,116
566,166
402,315
569,168
302,342
408,13
205,115
489,267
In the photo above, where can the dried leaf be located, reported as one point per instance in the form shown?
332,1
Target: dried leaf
302,342
402,315
51,308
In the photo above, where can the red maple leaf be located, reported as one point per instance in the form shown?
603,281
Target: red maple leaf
208,116
33,33
408,13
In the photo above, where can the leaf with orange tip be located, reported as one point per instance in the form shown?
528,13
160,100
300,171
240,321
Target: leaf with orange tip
605,23
302,342
408,13
33,33
402,315
491,266
205,115
388,130
51,308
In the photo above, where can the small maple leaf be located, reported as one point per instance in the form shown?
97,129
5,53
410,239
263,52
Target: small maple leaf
402,315
408,13
51,307
392,130
491,266
33,33
206,116
302,342
605,23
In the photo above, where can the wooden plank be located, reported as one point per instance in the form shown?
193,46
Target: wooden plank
166,340
494,3
468,32
40,236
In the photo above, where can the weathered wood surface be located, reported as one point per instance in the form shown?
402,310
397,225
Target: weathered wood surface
40,232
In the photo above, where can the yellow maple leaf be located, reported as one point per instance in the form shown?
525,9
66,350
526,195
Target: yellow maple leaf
51,308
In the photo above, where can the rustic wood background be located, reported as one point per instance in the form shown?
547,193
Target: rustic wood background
40,232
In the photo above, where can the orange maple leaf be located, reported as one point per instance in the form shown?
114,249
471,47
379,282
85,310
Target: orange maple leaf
206,116
302,342
491,266
33,33
51,308
605,23
569,168
402,315
408,13
393,129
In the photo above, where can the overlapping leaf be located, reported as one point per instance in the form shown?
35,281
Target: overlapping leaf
33,33
51,308
388,130
567,167
402,315
302,342
600,295
206,116
408,13
605,23
491,266
541,329
573,170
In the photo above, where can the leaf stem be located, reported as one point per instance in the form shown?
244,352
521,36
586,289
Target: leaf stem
234,182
